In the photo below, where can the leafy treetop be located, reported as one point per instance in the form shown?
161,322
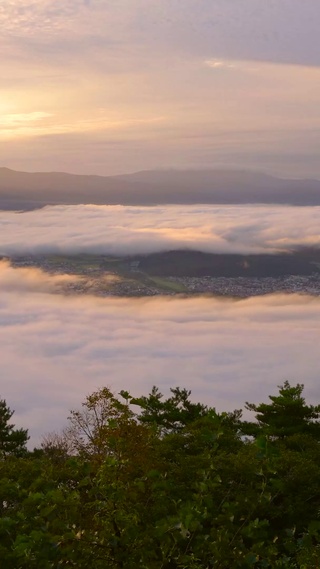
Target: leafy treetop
286,415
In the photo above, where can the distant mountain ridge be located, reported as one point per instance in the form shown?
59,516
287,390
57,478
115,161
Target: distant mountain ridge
23,190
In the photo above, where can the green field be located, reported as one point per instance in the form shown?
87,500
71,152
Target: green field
168,285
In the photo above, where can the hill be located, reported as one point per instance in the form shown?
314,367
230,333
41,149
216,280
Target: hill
23,190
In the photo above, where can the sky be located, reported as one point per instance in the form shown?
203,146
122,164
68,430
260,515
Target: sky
123,230
115,86
58,349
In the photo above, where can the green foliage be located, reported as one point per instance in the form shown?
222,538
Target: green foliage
286,416
173,485
12,441
172,414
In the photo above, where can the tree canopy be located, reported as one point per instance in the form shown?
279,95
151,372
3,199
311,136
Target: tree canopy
286,415
166,483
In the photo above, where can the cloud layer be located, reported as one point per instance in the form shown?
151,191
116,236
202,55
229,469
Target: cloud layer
111,87
242,30
56,350
122,230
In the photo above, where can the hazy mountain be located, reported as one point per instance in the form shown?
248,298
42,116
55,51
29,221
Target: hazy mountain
22,190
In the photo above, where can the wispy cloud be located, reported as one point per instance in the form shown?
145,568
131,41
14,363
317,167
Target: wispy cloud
17,121
30,17
219,64
37,123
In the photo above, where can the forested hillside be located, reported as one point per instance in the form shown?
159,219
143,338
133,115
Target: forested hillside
164,483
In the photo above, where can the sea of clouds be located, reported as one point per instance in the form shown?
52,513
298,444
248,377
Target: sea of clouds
122,230
56,349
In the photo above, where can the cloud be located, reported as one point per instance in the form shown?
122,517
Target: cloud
123,230
34,124
29,279
218,64
17,124
283,31
280,32
275,31
29,17
71,58
142,63
56,350
12,120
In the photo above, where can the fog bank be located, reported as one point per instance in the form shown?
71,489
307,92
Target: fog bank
56,350
122,230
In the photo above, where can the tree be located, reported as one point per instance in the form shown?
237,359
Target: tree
12,441
286,415
180,490
172,414
106,427
90,429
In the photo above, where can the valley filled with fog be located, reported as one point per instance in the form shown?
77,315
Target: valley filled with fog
57,348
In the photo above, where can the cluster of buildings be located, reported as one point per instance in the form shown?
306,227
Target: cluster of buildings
251,286
95,279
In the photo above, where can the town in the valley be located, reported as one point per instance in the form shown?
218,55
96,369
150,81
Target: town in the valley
177,273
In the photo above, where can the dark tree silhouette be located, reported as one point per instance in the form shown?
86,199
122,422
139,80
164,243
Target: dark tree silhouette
12,441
